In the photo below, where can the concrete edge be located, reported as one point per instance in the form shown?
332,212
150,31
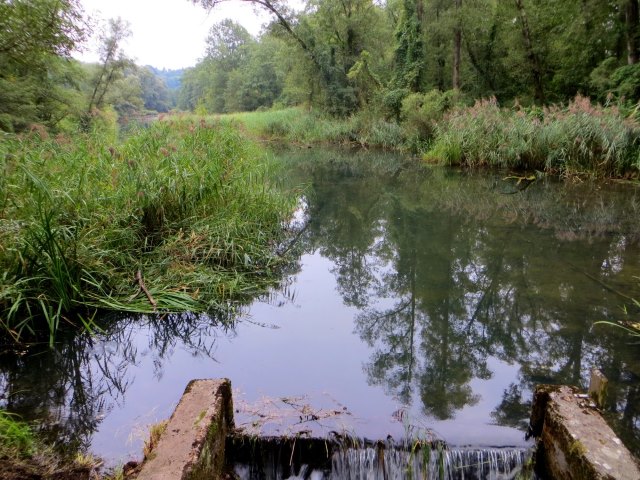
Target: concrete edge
573,439
192,446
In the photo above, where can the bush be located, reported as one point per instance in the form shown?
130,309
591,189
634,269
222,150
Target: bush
421,112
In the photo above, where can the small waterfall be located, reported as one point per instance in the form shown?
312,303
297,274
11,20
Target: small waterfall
425,463
387,461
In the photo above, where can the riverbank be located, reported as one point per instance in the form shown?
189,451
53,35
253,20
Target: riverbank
580,138
23,454
177,217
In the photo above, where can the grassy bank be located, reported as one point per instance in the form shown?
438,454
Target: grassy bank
579,138
177,217
297,125
24,455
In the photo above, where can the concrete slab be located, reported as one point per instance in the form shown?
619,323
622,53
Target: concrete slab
192,446
574,441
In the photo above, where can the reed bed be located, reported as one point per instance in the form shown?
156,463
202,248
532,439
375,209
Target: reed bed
178,217
581,138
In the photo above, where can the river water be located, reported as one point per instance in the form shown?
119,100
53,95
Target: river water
425,302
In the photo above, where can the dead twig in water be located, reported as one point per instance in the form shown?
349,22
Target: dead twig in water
143,287
601,283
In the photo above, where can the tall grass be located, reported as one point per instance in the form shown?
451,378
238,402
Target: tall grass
300,126
579,138
178,217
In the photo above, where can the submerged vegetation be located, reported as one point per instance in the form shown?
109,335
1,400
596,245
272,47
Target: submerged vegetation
178,217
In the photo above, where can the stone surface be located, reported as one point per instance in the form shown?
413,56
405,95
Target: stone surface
598,387
574,441
192,446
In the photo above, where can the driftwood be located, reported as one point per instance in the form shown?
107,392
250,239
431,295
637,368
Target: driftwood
143,287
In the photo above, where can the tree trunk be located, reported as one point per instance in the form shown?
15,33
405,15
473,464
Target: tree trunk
440,60
457,42
532,58
632,20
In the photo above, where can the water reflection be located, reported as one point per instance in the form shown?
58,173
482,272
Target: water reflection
446,276
449,269
74,386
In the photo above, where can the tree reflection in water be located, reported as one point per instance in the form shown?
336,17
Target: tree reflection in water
76,384
449,269
449,272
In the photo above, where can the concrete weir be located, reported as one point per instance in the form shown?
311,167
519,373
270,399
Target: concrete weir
192,445
574,441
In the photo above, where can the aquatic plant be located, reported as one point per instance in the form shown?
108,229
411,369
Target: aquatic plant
632,328
178,217
576,139
16,437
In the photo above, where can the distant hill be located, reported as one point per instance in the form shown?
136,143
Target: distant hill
172,78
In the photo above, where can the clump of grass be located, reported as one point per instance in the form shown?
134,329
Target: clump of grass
16,437
178,217
23,454
155,432
579,138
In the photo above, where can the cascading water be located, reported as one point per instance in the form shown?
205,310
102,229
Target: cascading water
445,464
390,462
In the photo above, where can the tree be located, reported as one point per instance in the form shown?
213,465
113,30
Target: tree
532,56
331,35
154,91
227,43
457,48
632,21
409,55
36,41
258,82
113,63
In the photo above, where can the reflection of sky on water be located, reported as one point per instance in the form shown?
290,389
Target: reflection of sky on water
430,293
313,352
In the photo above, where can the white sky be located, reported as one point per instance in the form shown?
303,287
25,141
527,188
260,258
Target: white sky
168,33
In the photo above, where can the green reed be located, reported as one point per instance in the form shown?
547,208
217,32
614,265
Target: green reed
581,138
178,217
16,437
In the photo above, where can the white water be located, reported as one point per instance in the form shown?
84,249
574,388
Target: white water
399,464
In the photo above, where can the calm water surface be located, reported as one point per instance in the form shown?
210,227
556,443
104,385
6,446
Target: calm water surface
427,298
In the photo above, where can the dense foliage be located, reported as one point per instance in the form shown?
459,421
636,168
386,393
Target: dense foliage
36,40
40,84
178,217
351,54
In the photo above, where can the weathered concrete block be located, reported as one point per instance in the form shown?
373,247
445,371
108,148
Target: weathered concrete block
574,441
192,446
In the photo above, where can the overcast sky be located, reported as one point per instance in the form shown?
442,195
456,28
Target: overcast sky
168,33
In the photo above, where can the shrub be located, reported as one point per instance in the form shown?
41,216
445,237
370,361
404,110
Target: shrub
421,112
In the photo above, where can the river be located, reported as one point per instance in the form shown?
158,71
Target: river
424,300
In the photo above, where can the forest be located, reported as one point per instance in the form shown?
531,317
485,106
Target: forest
339,57
345,56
